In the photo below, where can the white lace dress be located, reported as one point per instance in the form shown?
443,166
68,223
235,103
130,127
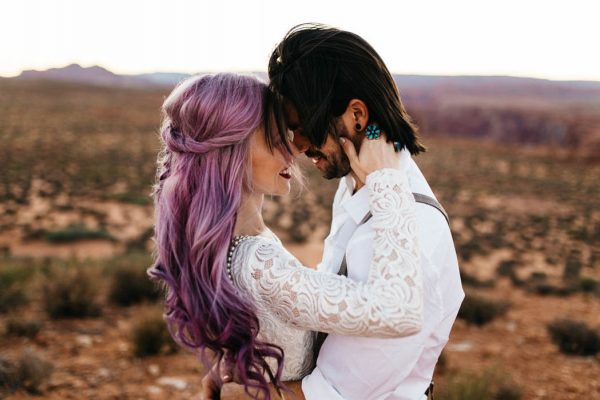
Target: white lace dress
292,301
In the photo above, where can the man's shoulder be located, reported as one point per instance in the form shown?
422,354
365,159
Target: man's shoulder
417,181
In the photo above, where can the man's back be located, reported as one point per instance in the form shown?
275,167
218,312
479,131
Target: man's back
368,368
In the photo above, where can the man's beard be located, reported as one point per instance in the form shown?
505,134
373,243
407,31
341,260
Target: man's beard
338,163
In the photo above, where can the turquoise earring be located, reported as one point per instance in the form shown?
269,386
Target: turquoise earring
372,131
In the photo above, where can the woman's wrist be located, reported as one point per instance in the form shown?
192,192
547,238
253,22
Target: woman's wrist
394,174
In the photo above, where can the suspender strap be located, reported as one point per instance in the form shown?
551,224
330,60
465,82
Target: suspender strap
419,198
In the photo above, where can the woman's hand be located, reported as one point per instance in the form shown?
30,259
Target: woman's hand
210,388
374,154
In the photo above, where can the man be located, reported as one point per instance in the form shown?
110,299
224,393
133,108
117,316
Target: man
333,84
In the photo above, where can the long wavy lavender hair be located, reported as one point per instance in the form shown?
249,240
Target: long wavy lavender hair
202,170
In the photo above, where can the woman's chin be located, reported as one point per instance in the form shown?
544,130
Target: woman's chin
283,190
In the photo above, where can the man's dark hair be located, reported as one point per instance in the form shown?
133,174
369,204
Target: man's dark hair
320,69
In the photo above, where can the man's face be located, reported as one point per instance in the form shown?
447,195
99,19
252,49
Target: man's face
329,158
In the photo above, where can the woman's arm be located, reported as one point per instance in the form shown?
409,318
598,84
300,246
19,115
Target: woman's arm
389,304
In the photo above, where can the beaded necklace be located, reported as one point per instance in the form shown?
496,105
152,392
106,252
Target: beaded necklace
235,242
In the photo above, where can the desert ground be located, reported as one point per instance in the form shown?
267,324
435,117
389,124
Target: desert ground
76,218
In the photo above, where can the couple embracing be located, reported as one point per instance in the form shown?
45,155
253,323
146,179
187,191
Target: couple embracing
372,319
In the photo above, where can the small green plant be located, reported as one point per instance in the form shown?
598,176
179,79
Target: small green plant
71,294
12,287
479,311
588,285
23,327
29,371
574,337
132,198
75,232
151,336
487,385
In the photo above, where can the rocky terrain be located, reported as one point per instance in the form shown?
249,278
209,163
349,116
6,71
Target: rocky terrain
77,168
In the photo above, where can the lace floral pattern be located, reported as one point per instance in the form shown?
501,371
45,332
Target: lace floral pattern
291,299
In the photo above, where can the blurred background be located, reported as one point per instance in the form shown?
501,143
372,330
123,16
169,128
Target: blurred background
507,97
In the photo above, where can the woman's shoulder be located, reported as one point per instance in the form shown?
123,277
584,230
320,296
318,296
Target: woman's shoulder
267,238
249,251
254,257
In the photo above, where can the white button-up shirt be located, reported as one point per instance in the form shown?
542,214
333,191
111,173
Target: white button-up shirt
360,368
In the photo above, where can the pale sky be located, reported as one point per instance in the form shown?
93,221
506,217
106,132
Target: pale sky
545,39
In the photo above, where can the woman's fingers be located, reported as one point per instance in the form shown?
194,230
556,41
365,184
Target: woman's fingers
209,389
355,164
377,154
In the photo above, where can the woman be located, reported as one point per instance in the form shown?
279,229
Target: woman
232,288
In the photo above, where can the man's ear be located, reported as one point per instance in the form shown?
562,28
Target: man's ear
356,116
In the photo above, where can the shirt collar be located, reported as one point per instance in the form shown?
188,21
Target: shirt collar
357,205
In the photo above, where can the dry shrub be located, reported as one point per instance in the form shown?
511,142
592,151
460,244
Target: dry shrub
71,293
130,283
479,311
12,287
574,337
29,371
507,267
538,283
23,327
151,336
487,385
588,284
473,281
573,266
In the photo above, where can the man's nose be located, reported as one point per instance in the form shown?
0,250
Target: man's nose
301,143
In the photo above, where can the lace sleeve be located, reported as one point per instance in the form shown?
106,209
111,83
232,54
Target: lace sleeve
389,304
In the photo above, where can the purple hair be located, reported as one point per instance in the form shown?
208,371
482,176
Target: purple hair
202,170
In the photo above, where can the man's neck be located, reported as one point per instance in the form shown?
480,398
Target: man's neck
249,219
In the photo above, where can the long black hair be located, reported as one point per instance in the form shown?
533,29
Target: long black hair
319,69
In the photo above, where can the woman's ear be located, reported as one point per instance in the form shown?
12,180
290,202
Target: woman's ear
356,116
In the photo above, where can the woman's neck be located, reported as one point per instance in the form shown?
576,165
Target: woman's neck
249,219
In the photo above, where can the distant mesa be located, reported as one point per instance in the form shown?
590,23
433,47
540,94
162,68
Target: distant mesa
101,76
94,75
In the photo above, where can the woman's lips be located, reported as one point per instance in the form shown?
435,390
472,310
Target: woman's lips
286,173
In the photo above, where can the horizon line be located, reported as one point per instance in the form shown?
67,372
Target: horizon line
241,70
